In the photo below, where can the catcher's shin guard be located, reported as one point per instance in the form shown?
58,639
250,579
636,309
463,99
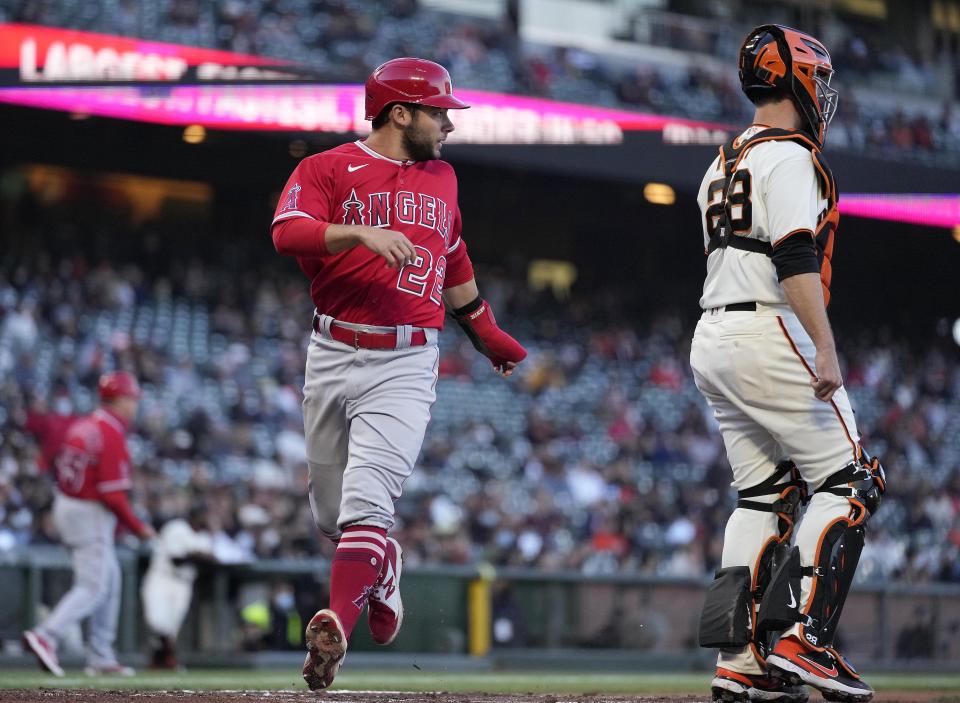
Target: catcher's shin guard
863,484
839,543
728,620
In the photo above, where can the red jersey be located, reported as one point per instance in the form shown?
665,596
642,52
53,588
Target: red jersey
93,459
354,185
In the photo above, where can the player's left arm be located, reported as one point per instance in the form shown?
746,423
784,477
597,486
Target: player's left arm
113,484
475,316
792,199
472,312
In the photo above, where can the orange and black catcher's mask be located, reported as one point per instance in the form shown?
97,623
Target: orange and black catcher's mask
774,57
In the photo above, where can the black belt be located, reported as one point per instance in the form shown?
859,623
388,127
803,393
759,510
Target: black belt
741,307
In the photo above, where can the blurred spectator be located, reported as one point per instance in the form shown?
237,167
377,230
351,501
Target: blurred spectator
600,457
509,628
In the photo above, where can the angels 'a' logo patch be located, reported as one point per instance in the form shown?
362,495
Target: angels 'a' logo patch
364,596
290,202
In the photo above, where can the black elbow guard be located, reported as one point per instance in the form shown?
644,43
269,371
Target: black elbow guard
795,254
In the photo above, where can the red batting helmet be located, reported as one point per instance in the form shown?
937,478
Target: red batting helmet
118,384
410,80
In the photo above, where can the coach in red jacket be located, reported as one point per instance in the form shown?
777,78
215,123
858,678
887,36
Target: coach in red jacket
93,477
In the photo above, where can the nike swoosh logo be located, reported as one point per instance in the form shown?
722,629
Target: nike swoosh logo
793,601
829,672
351,168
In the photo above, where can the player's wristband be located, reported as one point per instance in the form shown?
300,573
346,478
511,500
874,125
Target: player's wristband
469,307
477,320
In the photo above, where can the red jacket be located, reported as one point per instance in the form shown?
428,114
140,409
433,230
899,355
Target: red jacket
94,464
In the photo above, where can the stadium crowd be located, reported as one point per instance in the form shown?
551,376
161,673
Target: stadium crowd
344,39
599,456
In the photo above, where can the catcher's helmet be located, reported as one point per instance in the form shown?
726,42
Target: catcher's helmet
778,57
118,384
410,80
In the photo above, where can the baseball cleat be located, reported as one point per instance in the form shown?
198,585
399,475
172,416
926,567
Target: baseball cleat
115,669
326,648
45,652
733,686
826,671
385,607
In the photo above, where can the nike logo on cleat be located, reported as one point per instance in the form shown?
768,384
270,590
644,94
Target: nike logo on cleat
828,672
351,168
388,589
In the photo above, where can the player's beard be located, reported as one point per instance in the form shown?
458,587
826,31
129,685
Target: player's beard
417,144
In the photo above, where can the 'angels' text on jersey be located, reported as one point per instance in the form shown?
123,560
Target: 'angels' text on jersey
405,207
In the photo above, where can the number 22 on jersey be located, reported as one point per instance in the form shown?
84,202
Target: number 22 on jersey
414,277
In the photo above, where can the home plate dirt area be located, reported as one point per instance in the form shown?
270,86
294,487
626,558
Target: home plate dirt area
59,695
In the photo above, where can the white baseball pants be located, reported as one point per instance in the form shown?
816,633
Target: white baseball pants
166,602
754,369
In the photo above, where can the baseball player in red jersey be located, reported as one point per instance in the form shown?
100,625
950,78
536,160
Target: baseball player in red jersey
763,356
93,476
375,226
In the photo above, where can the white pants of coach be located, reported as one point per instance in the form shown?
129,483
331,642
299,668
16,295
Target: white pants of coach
365,413
754,369
166,602
87,528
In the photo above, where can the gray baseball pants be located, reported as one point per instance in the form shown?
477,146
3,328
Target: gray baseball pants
86,528
365,413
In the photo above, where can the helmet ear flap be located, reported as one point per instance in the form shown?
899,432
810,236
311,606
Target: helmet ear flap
762,65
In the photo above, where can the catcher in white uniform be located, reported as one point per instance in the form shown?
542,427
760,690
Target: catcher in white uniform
167,587
763,356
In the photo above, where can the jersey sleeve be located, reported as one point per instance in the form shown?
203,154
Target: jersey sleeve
118,504
459,266
791,197
307,193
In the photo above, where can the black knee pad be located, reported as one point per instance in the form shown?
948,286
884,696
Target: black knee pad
863,482
725,621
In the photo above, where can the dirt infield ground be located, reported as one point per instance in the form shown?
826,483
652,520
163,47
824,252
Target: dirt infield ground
57,695
376,685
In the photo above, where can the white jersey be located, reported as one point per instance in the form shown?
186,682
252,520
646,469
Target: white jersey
177,539
778,195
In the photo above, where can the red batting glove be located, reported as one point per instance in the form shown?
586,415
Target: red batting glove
487,338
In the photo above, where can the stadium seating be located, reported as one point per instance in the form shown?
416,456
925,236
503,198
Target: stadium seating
598,456
342,40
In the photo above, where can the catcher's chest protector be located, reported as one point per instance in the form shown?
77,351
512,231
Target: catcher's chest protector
731,154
